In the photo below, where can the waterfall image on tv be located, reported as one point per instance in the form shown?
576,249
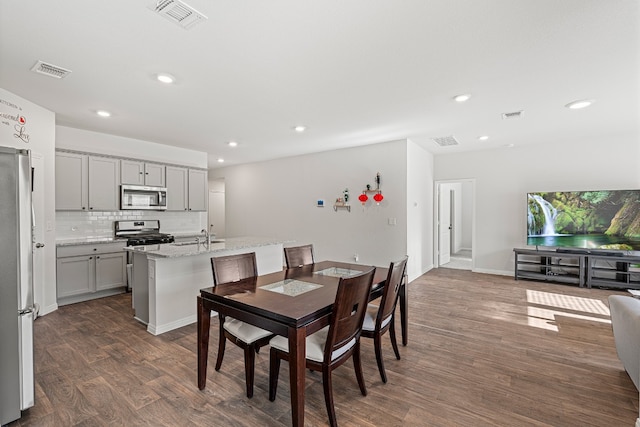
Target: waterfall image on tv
608,220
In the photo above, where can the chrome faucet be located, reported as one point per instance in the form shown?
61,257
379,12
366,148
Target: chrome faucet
207,238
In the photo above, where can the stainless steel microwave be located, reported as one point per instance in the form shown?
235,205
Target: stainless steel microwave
142,197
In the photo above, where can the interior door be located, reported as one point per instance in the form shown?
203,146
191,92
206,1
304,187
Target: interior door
444,225
216,213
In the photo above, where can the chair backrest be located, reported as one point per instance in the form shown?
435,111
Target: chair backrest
348,313
391,289
232,268
299,255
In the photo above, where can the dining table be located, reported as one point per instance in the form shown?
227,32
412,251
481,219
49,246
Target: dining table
293,303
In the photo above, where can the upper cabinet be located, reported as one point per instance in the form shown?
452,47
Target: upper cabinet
198,190
72,181
186,189
141,173
86,182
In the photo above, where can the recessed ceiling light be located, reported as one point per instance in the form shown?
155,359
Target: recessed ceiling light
165,78
576,105
508,145
103,113
462,98
483,137
232,144
220,160
299,128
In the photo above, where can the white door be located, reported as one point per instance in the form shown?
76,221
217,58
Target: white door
216,213
444,225
37,164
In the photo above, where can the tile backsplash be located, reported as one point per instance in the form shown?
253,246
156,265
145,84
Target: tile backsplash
72,225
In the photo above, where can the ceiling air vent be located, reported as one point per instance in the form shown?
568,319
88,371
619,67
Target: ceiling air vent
513,115
50,70
445,141
178,13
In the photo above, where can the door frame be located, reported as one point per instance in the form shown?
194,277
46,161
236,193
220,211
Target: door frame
436,222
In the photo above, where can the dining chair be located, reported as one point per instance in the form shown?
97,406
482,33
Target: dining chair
226,270
298,256
334,344
380,319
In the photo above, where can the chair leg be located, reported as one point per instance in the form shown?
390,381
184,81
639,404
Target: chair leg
357,366
222,340
328,396
249,366
392,336
274,371
377,344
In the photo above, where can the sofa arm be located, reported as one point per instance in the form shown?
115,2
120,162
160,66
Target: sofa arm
625,321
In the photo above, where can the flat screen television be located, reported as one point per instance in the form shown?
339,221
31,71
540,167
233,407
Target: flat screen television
607,220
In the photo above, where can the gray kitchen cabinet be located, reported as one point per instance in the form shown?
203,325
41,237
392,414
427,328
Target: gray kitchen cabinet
86,182
187,189
177,188
198,190
72,181
104,183
142,173
87,272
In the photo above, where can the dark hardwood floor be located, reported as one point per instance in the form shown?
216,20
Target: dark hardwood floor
483,350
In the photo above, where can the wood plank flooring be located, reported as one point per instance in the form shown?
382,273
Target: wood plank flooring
483,350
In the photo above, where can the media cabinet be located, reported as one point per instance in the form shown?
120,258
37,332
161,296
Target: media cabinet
585,269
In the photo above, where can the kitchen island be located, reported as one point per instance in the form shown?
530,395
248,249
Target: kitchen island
167,278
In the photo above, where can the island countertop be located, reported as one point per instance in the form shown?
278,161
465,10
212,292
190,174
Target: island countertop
177,250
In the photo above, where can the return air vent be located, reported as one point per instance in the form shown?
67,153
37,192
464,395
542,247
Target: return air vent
178,13
50,70
513,115
445,141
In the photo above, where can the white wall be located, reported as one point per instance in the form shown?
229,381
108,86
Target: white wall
278,199
101,143
40,129
420,210
467,215
503,177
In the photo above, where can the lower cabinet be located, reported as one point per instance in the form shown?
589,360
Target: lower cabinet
86,272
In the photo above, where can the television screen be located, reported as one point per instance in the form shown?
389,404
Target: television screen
608,220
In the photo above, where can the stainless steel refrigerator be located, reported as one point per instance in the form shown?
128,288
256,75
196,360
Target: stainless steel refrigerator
16,284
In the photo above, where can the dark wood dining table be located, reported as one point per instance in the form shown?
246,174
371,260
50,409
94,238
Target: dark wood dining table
294,303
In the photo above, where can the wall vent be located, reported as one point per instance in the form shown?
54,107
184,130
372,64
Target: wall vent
513,115
50,70
178,12
445,141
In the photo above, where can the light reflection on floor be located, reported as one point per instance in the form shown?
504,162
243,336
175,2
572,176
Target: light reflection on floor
547,305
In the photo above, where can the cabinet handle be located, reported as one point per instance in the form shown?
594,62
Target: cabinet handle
83,208
91,208
90,257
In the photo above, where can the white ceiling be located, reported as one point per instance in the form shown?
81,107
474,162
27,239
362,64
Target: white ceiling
355,72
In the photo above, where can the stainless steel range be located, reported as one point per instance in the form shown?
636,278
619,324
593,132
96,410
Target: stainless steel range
141,232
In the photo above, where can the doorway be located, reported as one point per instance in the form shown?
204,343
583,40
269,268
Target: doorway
217,208
454,234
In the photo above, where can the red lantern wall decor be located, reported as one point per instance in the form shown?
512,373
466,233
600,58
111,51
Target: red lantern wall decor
378,197
363,198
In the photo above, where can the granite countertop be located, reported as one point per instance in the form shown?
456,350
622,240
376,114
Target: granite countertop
92,240
173,250
89,241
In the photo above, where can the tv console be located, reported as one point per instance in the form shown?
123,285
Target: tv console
582,268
